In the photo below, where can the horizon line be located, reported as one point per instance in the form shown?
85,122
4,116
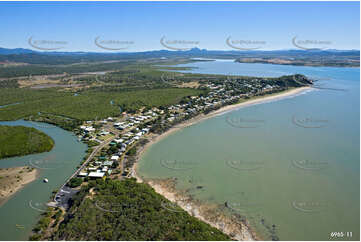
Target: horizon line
195,48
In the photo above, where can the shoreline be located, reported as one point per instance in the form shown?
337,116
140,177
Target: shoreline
244,232
294,64
14,179
157,137
211,214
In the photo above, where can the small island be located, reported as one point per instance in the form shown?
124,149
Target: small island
20,141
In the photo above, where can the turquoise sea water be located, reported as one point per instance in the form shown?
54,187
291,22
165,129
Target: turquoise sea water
293,163
25,207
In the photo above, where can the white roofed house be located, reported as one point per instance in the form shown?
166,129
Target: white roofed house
119,141
105,169
129,134
90,129
267,87
108,163
83,174
96,174
104,132
117,124
170,119
145,130
140,118
114,158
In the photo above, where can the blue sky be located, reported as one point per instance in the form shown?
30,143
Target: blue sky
272,25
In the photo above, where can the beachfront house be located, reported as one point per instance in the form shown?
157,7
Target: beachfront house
83,174
145,130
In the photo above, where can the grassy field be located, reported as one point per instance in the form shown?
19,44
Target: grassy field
125,210
19,141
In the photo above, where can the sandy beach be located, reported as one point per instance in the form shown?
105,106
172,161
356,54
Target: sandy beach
13,179
154,138
226,225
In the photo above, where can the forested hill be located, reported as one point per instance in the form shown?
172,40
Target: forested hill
127,210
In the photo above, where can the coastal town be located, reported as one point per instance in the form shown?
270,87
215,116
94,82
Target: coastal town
130,122
180,121
115,141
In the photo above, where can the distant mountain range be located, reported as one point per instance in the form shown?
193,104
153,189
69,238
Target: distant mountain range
18,51
329,57
4,51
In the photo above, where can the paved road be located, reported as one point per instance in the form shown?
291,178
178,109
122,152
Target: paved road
113,130
65,193
62,197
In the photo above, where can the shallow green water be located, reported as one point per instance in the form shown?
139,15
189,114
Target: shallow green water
293,163
25,207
